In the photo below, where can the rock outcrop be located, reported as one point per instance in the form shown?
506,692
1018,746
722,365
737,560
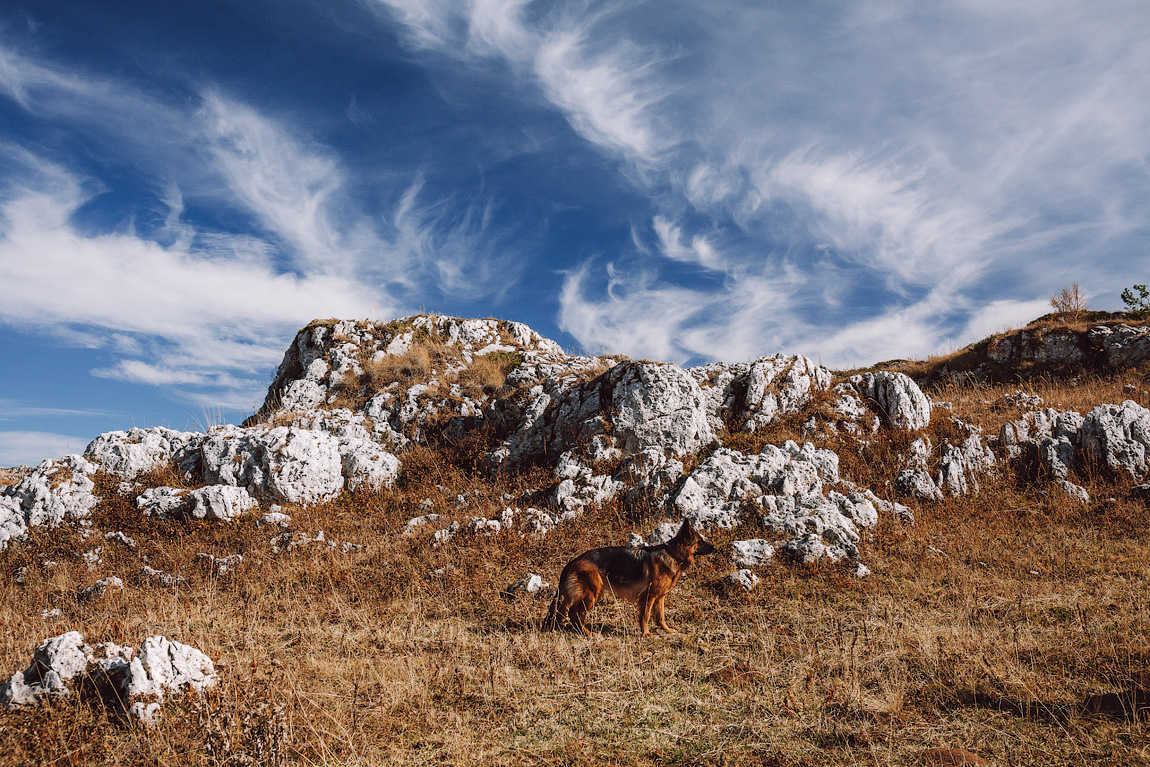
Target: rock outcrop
130,682
55,492
632,406
1117,437
898,398
350,398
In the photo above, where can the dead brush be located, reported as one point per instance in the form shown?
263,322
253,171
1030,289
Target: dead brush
486,374
411,367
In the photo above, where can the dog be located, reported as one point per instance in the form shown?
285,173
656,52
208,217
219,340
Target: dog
643,574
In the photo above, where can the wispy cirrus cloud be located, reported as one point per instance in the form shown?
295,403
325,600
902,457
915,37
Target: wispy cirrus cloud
599,79
200,317
906,178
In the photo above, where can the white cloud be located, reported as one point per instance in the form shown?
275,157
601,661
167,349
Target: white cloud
201,317
209,310
670,236
888,191
288,185
29,448
600,81
603,95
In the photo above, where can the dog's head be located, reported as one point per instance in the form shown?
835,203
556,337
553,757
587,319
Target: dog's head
691,542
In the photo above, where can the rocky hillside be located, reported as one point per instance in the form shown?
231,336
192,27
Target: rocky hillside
476,432
350,398
1101,344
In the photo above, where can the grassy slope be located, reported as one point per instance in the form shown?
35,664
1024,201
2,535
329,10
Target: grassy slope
986,625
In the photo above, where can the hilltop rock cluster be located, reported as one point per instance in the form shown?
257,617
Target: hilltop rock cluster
351,398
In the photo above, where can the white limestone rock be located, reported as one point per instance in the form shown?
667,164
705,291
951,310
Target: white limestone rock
531,584
750,395
811,549
728,476
56,491
119,537
219,502
366,465
216,502
650,474
220,565
743,579
1073,491
662,533
752,553
415,524
1117,437
813,515
137,451
56,661
130,682
1018,399
897,397
641,404
579,487
961,465
99,589
1125,345
916,483
278,464
162,502
276,518
896,510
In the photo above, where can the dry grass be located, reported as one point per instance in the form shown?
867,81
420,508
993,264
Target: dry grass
988,625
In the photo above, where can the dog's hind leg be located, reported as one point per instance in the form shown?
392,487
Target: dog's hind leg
583,592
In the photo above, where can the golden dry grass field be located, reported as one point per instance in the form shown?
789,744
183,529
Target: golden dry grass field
1012,624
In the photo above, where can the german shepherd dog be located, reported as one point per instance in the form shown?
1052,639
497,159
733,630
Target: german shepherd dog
643,574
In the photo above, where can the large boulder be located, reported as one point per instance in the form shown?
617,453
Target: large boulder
1117,437
217,502
963,464
632,406
786,487
128,454
278,464
366,465
898,398
55,491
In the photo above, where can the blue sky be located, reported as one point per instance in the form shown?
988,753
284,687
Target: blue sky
183,185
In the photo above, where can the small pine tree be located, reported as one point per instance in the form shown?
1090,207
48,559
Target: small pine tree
1069,303
1137,305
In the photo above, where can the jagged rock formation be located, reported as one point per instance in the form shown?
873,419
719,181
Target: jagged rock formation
132,683
351,397
1113,343
898,397
1113,438
54,492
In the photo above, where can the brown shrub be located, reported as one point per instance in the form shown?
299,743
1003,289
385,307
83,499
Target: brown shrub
408,368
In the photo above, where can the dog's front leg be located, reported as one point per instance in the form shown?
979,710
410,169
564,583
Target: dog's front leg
660,618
